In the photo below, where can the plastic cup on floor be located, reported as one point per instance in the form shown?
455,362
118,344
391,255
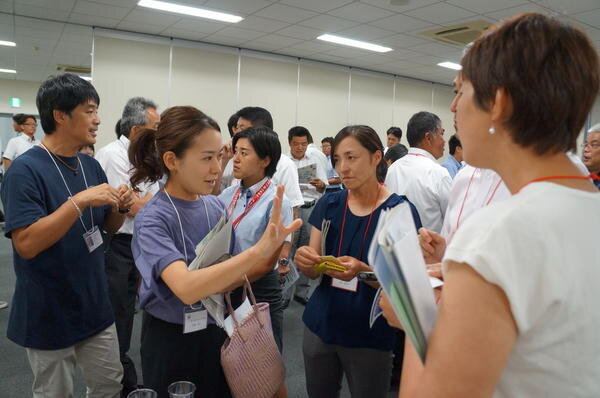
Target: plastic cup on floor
143,393
181,389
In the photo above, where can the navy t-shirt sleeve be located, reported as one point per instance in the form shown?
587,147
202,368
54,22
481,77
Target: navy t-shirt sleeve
415,214
23,201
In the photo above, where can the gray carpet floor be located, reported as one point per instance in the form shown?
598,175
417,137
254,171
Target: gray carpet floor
16,376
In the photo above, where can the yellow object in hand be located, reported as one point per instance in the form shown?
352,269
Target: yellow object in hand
329,263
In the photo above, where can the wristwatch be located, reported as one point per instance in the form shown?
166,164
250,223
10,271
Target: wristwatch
283,262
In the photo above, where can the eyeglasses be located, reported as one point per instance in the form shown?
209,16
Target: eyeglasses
29,124
593,145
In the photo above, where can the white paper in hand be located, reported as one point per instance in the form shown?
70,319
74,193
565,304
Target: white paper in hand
241,313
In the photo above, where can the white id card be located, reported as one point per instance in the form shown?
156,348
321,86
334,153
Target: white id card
351,286
93,239
194,319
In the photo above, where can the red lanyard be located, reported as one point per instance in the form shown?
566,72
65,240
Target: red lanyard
416,154
487,202
366,229
250,204
567,177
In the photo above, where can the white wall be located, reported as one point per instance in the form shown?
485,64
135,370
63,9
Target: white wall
25,90
324,98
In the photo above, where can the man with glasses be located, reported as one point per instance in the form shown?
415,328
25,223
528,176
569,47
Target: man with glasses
417,175
591,152
22,143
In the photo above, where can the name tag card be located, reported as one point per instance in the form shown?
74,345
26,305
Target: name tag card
350,286
93,239
194,319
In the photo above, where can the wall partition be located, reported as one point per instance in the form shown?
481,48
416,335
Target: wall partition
219,80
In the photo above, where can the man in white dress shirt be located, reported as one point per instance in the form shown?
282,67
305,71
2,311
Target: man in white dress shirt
21,143
418,176
123,277
312,189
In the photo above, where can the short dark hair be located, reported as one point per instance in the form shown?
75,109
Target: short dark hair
552,78
265,143
419,124
453,143
395,152
64,93
26,116
299,131
369,139
257,116
396,131
118,128
19,118
327,139
232,122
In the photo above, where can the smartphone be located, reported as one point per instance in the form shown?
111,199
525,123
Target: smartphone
367,276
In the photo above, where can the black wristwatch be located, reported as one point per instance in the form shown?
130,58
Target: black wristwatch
283,262
124,211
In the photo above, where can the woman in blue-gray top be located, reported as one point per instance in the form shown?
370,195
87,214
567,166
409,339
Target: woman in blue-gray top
179,340
337,338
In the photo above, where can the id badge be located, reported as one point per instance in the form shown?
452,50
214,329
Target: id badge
350,286
93,239
194,319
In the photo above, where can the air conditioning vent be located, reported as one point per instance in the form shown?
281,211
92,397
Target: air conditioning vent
458,35
78,70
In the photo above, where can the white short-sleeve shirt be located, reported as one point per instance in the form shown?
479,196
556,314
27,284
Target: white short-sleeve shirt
18,146
424,182
541,248
287,175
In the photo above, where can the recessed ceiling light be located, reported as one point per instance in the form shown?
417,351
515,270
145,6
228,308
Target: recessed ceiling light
8,71
450,65
7,43
187,10
89,79
354,43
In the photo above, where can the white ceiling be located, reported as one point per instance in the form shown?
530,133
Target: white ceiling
278,26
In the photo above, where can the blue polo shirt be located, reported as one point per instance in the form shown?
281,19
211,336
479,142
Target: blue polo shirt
338,316
61,295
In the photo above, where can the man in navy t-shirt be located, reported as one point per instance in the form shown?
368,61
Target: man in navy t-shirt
56,202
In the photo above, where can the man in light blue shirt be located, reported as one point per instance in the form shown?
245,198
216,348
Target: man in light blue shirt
333,180
454,161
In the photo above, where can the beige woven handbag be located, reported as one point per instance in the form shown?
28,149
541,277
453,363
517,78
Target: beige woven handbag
250,358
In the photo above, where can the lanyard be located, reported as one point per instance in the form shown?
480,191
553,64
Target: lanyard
487,202
66,186
567,177
181,225
416,154
250,204
366,229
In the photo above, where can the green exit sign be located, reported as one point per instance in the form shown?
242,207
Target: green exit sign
15,102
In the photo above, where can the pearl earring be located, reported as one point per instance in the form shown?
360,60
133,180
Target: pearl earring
492,130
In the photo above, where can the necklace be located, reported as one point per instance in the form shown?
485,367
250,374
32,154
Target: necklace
73,169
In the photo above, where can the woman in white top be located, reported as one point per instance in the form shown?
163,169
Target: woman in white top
517,316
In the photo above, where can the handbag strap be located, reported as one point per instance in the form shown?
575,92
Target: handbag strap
247,289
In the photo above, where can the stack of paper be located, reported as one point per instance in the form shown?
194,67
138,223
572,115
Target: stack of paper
397,260
307,173
213,249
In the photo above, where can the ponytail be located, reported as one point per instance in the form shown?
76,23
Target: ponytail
178,127
145,159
